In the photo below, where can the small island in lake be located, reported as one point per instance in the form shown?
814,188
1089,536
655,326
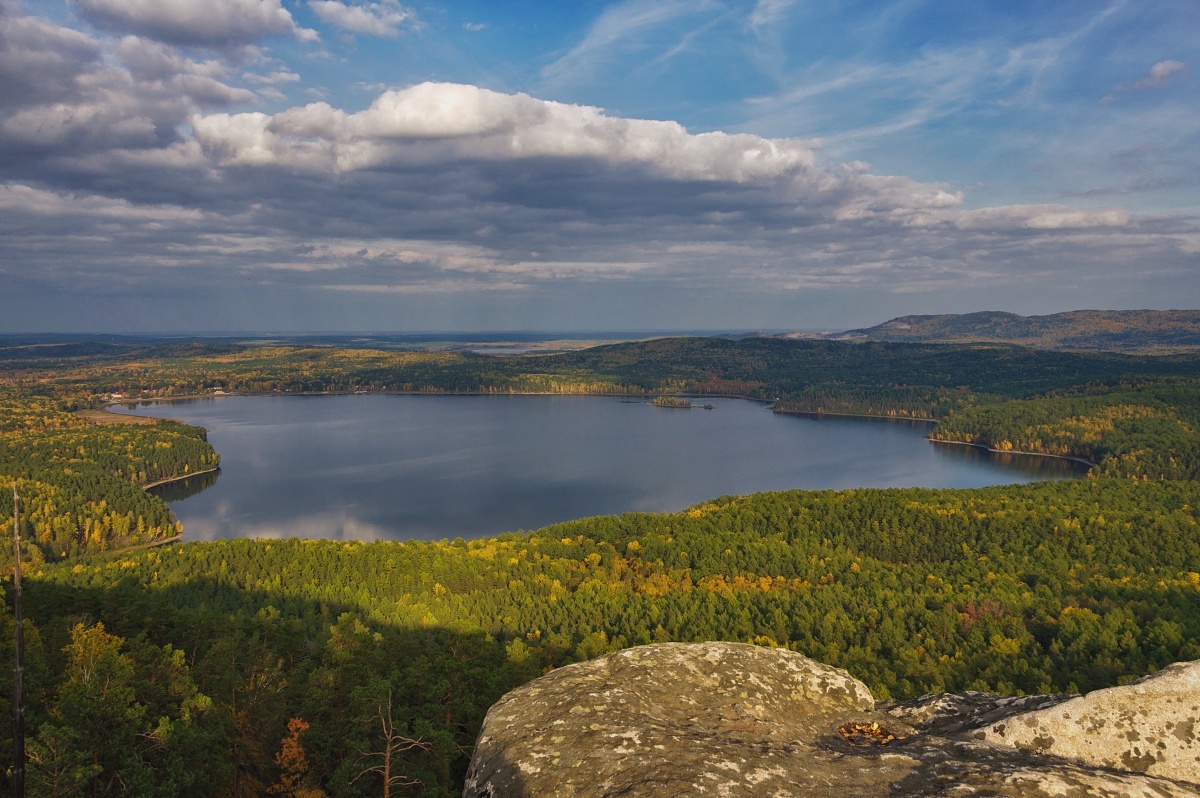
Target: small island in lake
676,402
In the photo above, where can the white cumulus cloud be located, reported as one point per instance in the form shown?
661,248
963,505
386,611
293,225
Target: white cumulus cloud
452,121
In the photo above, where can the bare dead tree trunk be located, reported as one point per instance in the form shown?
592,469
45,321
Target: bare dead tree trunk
18,771
393,743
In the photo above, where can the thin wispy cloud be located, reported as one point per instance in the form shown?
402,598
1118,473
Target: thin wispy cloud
934,84
1158,76
932,81
769,12
620,26
278,76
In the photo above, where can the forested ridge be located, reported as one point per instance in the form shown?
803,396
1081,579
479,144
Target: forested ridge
238,667
1112,330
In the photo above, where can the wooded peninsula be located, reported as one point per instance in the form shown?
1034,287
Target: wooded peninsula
293,667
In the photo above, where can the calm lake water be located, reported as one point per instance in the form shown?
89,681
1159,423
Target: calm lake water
398,467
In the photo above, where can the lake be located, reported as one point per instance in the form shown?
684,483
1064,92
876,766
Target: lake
373,467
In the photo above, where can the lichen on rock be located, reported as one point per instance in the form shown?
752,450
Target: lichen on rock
728,719
1149,726
666,719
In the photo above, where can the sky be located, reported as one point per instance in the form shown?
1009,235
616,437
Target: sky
335,165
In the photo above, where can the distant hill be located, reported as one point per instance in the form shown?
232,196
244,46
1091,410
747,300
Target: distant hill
1109,330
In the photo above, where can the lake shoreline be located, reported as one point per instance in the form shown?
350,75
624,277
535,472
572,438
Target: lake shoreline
130,403
385,392
106,408
179,478
445,469
987,448
820,413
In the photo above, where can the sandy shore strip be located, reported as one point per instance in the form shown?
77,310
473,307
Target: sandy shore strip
179,478
105,416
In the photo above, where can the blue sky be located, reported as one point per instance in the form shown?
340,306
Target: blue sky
219,165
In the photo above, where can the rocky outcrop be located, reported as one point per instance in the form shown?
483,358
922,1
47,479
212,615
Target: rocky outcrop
948,713
726,719
1149,726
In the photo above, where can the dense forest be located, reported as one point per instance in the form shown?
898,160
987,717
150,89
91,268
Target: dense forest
82,483
209,651
763,368
291,667
1148,429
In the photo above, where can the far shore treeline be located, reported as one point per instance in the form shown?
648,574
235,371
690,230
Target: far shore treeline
234,667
